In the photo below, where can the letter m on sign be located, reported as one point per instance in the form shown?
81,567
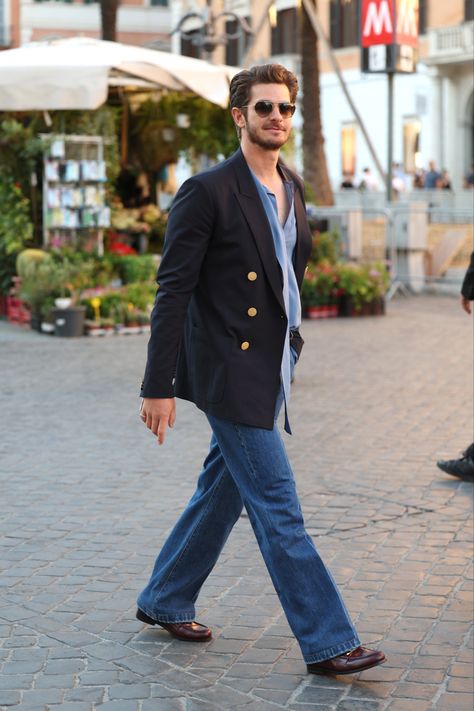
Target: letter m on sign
407,22
377,22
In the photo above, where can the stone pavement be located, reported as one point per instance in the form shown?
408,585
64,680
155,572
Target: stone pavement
87,498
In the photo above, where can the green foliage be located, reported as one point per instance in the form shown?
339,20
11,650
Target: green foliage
309,194
320,286
16,229
211,131
28,259
140,295
363,283
325,248
20,149
111,305
39,282
131,268
104,122
123,305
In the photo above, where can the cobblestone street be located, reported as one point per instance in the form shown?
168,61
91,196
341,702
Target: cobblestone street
88,498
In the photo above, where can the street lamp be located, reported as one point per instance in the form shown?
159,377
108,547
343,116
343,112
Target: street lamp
204,32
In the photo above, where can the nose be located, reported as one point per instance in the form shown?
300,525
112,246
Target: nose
275,112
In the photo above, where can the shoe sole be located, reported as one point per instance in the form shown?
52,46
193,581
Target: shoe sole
343,673
462,477
143,617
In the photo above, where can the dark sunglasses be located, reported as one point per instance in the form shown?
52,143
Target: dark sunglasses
264,108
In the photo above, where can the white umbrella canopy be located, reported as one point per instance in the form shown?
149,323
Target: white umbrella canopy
75,73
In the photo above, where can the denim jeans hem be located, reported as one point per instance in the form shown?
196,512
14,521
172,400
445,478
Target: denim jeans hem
169,617
331,652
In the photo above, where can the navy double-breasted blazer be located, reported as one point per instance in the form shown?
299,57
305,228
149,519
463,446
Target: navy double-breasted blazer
218,325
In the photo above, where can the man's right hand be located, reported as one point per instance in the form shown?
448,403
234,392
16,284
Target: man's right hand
466,304
158,414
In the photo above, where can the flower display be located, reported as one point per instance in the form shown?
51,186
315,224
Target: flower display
330,285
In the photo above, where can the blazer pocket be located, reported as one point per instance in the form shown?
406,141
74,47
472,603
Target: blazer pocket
209,374
216,383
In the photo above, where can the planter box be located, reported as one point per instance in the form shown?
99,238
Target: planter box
319,312
372,308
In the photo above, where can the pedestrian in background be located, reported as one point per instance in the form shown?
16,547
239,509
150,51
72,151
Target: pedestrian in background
399,179
469,179
347,182
224,334
445,182
369,182
419,179
432,176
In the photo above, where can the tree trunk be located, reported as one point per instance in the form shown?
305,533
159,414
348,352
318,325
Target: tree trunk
108,18
314,159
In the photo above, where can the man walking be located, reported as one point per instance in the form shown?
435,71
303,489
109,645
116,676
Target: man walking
225,336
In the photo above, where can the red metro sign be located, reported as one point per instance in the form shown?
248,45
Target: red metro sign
377,22
389,35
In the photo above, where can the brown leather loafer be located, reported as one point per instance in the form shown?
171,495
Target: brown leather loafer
186,631
358,660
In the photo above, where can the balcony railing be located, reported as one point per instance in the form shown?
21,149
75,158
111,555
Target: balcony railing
451,43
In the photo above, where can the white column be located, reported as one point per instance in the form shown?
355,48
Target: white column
432,146
450,126
177,11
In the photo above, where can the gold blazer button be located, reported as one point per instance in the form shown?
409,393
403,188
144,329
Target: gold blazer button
252,311
251,276
245,345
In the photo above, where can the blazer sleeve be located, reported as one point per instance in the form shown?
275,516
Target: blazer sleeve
189,230
467,289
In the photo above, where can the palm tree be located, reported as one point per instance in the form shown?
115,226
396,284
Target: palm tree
108,18
314,159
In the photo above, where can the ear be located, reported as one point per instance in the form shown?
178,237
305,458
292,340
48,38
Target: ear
238,116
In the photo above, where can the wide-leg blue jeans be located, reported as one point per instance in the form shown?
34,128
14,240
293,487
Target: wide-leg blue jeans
248,466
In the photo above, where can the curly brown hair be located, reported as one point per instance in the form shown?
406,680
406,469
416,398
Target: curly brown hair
242,82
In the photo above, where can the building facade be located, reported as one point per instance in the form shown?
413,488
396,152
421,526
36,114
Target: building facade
140,22
433,117
433,113
9,23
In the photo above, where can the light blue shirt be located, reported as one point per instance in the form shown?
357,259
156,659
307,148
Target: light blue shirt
284,240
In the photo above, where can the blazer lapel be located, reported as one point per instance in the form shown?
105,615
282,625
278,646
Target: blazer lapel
256,218
304,240
303,232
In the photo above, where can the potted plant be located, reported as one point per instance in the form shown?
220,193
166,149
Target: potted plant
38,281
16,230
378,278
92,323
144,321
108,326
131,319
70,279
326,248
363,288
319,292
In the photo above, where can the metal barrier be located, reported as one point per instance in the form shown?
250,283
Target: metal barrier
417,241
443,199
